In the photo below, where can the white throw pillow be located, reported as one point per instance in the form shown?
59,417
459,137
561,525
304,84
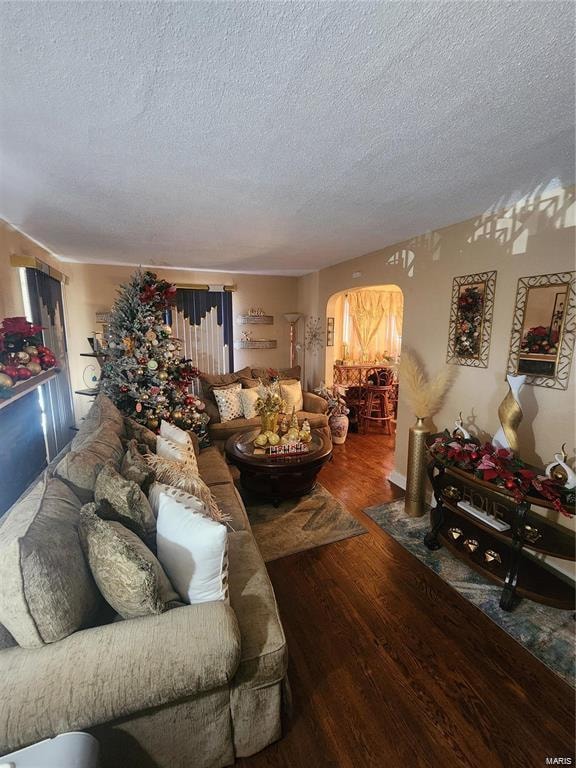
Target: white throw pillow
192,549
157,488
292,395
229,402
168,449
174,433
249,397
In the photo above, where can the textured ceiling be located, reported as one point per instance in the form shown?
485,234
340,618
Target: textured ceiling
275,137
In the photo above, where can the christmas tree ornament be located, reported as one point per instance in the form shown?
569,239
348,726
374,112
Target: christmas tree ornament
23,357
152,364
6,382
163,375
167,329
24,373
152,424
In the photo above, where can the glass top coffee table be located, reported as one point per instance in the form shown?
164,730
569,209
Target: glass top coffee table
277,476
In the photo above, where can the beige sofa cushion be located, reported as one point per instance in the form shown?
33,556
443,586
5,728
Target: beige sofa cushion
212,467
128,575
79,469
47,589
230,502
264,655
103,411
283,373
140,433
209,381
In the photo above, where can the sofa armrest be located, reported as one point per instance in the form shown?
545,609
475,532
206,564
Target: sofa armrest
314,403
101,674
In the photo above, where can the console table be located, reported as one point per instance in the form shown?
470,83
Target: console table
500,555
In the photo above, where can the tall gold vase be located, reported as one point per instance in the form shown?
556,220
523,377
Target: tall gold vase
415,501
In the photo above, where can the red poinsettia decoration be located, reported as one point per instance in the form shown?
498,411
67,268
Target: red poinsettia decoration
20,326
498,466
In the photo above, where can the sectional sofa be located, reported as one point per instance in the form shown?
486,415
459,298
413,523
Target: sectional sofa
198,685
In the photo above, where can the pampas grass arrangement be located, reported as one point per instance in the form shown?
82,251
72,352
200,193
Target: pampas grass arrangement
423,395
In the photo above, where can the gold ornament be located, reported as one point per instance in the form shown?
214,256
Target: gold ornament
471,545
177,415
150,335
128,343
167,329
34,368
23,357
456,533
492,557
162,375
152,424
5,381
294,419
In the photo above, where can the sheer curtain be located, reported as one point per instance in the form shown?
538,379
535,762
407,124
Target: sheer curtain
372,324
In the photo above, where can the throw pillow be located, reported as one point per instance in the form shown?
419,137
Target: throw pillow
283,373
167,449
47,589
128,575
209,381
127,500
134,466
292,395
248,398
250,383
102,411
196,504
79,469
139,432
229,402
192,549
179,475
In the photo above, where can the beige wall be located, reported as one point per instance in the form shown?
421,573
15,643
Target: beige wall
534,239
92,288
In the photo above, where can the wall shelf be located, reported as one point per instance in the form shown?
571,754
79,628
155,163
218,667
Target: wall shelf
256,344
255,320
19,390
88,392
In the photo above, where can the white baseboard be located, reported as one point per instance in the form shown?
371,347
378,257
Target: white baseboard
398,479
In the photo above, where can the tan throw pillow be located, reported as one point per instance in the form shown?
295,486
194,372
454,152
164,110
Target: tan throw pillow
283,373
134,466
229,402
248,398
102,411
128,501
209,381
79,469
127,573
292,395
250,383
47,589
178,475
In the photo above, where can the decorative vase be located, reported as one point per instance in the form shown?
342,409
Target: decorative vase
269,422
338,428
414,502
510,415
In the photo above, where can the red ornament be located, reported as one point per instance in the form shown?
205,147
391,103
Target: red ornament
24,373
12,371
474,455
510,484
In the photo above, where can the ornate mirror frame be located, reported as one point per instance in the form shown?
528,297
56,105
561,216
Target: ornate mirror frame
535,363
476,319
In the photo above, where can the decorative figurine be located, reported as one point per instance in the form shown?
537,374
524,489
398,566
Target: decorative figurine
510,415
460,431
560,471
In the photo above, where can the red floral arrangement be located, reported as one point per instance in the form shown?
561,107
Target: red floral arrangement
540,340
22,355
158,292
501,467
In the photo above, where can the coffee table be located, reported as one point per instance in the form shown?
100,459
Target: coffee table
277,477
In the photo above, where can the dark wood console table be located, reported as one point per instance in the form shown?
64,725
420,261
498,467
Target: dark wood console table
500,555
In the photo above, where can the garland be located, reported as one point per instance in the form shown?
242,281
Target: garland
500,467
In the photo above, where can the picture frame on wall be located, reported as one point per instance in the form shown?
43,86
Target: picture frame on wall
543,329
471,311
329,331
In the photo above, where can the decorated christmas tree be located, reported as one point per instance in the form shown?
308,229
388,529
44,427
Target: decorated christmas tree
145,374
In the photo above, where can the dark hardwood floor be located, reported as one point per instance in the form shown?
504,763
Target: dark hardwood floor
389,666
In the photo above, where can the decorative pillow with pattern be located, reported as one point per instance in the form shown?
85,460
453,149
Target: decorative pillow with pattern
134,466
128,501
181,476
248,398
128,575
192,549
167,449
229,402
139,432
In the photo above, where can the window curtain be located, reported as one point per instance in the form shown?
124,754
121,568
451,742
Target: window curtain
376,327
47,310
202,320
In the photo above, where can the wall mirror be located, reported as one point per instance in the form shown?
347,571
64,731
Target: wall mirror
543,325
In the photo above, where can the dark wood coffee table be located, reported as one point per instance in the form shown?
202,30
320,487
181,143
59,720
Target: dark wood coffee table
277,477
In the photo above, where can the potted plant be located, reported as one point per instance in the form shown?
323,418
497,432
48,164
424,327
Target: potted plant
337,412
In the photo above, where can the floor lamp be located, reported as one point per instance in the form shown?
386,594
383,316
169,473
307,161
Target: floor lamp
292,318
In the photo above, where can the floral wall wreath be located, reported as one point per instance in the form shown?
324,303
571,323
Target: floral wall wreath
471,312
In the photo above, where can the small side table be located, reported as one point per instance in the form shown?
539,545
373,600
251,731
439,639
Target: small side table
69,750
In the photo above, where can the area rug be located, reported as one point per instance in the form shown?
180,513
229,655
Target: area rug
546,632
299,524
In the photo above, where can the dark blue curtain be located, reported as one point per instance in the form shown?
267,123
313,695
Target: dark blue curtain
195,304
